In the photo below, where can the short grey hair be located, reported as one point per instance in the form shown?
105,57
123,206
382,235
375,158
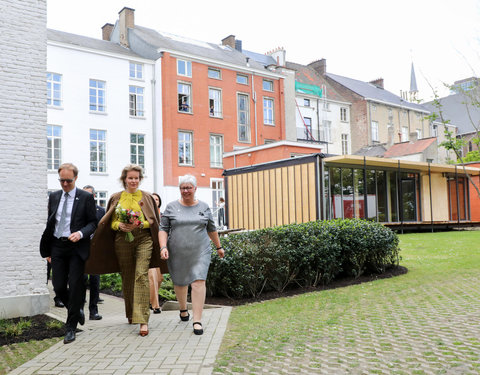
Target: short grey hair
89,187
187,179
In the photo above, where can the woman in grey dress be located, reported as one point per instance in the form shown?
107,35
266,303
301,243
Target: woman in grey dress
186,229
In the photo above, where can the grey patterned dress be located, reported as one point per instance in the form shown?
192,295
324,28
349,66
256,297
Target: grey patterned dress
188,242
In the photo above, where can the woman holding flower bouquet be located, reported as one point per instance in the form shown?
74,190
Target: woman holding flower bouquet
128,235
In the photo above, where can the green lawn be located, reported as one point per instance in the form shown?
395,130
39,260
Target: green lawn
426,321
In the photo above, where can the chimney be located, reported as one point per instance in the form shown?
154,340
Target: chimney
107,31
413,137
278,54
229,41
377,82
320,66
126,20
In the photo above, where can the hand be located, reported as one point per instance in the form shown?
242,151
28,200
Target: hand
75,237
164,253
126,227
221,253
49,259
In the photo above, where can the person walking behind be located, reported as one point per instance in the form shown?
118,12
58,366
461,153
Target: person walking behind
127,241
186,229
66,242
93,281
155,277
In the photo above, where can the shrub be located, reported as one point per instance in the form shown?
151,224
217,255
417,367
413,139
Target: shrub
299,255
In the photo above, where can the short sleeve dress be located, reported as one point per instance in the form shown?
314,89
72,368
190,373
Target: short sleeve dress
188,242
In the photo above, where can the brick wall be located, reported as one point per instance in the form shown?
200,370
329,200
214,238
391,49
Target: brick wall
23,158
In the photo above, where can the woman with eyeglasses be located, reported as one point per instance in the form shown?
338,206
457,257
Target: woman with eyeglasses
186,229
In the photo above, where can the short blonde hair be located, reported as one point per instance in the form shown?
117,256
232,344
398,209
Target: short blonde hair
129,168
69,166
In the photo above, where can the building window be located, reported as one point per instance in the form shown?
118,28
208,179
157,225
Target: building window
419,134
101,198
434,130
98,150
218,191
54,89
373,107
185,148
137,149
326,105
326,131
374,131
343,114
243,118
214,73
216,151
215,102
267,85
268,111
184,97
404,134
344,144
242,79
136,71
136,101
306,102
184,68
470,146
54,147
97,95
308,128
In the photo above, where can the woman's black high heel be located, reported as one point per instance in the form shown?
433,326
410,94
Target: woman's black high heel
184,318
198,331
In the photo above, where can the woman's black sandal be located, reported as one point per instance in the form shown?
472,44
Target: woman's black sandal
198,331
184,318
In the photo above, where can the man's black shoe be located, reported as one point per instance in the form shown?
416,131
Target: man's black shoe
81,319
58,303
69,337
95,316
100,300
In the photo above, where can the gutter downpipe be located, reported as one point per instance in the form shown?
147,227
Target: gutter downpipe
254,97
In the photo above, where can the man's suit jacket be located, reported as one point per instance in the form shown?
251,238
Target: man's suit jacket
84,219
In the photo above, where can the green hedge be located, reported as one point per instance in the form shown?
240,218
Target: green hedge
300,255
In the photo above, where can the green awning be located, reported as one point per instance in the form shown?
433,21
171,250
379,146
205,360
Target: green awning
305,88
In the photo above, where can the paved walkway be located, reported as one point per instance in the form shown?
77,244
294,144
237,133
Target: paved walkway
112,346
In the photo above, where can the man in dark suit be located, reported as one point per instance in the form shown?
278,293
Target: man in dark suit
94,280
66,243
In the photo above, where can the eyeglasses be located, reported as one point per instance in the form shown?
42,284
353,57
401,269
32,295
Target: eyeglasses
186,188
67,180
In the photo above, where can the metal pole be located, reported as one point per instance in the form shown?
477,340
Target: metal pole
400,200
365,195
430,188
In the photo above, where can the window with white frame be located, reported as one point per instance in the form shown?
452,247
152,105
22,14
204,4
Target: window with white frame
136,101
98,150
185,148
306,102
268,118
419,133
344,144
54,89
307,132
54,147
243,118
343,114
215,102
218,191
97,95
267,85
434,130
216,151
326,131
373,106
137,149
184,68
374,129
242,79
184,97
326,105
214,73
404,133
136,71
101,198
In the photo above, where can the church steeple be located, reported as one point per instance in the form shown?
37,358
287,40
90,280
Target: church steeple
413,85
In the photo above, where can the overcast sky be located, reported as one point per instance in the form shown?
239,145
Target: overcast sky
360,39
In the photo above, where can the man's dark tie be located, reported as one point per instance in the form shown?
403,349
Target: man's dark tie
63,218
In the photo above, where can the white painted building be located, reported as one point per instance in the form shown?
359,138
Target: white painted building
103,103
23,114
